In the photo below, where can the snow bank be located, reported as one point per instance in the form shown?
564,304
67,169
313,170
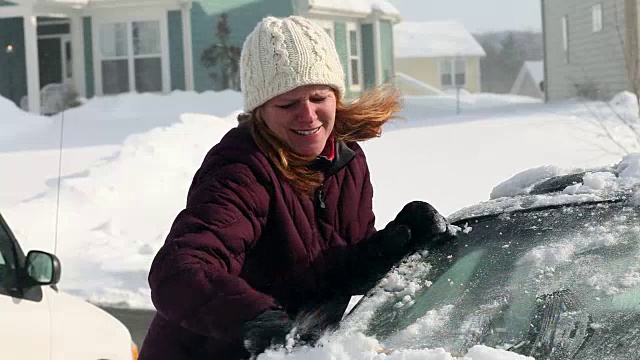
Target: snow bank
15,122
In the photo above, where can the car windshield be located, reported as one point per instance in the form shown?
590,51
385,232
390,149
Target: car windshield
551,283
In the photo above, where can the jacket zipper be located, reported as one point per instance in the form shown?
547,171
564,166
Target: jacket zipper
320,195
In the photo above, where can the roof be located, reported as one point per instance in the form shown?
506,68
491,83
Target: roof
536,69
356,6
434,39
550,186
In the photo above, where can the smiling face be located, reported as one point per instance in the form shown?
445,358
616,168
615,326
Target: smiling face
303,118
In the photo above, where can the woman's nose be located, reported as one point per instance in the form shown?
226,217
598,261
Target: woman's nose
307,111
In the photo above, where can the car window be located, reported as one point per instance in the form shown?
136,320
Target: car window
564,281
7,260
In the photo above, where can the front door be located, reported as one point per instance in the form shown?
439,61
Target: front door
50,60
55,61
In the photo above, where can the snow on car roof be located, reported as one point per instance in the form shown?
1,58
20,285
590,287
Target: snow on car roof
599,184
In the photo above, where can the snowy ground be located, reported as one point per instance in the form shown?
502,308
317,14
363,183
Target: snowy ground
127,162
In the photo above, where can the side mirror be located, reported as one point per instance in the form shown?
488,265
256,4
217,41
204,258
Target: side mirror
42,268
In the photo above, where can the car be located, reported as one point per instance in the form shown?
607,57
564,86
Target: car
37,321
548,268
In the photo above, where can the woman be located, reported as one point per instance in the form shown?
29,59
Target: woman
279,219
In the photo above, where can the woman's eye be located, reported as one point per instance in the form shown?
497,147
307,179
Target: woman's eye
287,106
319,99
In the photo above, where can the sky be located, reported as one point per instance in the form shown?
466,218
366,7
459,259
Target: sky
128,160
477,15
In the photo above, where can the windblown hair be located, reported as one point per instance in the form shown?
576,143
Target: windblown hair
359,120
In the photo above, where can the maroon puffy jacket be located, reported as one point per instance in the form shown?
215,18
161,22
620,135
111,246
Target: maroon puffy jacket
246,242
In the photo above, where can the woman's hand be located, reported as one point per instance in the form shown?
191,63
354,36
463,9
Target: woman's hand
424,221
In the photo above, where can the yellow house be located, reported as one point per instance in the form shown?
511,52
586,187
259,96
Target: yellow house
436,57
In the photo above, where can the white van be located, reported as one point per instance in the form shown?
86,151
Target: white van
39,322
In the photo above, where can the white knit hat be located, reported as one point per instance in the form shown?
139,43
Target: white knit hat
282,54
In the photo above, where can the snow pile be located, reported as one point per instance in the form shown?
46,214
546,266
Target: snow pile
625,104
14,121
103,207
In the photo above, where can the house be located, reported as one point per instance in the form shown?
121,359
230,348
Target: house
590,47
530,80
104,47
441,54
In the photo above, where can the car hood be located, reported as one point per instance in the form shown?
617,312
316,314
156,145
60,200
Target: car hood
86,328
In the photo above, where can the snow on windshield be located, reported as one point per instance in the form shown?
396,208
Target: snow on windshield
349,342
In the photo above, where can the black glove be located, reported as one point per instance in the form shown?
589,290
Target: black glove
268,329
272,328
424,221
392,241
375,256
417,224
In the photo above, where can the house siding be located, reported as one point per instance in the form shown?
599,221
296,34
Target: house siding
386,51
176,49
427,70
368,56
243,15
13,74
473,75
596,64
88,57
422,69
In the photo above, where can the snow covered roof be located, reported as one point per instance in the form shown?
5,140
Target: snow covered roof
566,186
536,69
384,7
434,39
356,6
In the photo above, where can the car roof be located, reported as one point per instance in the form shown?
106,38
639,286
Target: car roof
615,183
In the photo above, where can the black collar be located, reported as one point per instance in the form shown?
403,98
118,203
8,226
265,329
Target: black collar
344,155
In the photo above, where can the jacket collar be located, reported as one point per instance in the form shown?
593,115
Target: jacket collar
343,155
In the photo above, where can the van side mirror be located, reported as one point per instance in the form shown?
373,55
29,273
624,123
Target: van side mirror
42,268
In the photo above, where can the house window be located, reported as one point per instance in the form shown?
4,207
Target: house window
453,72
354,59
565,38
131,57
596,14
